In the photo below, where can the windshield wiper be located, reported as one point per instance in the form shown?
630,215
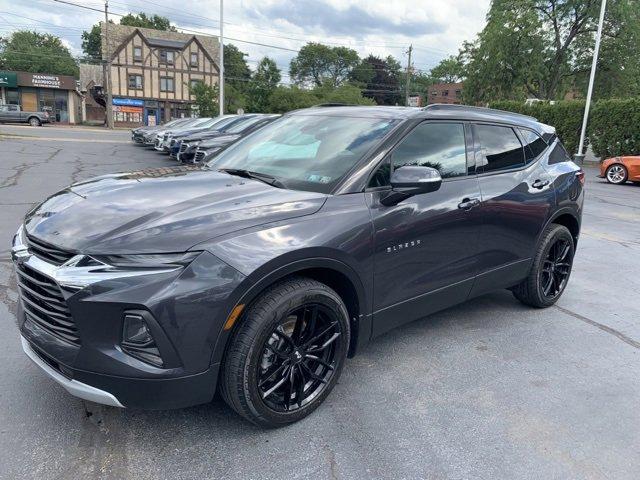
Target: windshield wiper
263,177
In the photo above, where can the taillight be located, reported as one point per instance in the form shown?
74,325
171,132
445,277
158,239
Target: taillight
580,176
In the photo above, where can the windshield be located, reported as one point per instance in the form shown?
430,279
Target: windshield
223,122
246,123
215,121
306,152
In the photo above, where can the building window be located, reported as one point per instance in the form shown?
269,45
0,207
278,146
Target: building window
135,81
137,54
458,93
166,84
194,83
194,60
167,56
445,93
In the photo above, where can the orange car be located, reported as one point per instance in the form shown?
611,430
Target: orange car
618,170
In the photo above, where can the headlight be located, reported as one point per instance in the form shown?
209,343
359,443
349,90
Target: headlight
148,260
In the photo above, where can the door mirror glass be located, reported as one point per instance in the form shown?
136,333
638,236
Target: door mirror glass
412,180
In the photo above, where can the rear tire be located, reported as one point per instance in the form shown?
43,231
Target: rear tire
616,174
280,366
35,122
551,269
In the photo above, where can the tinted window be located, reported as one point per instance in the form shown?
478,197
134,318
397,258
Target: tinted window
500,146
436,145
559,154
533,145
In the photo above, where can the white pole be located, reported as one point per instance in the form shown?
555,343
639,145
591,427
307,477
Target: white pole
221,78
594,63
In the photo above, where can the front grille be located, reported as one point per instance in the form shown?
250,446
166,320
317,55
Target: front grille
199,156
48,252
183,147
45,305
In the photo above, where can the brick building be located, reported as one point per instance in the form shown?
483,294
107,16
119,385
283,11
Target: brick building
445,93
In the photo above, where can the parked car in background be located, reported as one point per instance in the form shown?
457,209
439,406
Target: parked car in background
618,170
15,114
248,124
137,134
165,143
155,137
219,123
259,274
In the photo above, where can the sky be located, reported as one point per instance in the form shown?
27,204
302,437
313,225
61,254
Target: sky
435,28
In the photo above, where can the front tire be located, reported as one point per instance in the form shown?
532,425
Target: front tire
287,353
35,122
550,270
616,174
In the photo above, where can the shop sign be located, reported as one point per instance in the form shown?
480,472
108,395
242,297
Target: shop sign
43,80
126,109
131,102
8,79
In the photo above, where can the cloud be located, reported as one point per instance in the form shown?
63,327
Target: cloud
352,20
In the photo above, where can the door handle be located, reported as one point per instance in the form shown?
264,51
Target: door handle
539,184
468,203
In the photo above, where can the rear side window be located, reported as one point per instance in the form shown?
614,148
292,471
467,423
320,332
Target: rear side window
500,148
559,154
533,145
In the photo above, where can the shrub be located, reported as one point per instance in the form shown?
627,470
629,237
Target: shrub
565,116
614,127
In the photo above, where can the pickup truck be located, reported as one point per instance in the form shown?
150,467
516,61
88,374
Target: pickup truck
14,113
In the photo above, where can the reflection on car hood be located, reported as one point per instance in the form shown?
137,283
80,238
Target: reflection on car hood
162,210
220,141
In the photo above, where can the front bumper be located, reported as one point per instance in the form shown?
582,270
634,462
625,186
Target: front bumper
186,308
75,388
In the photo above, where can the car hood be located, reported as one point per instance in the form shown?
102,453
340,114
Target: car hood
186,132
220,141
203,135
161,210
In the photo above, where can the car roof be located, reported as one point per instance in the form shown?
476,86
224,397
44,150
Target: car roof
434,111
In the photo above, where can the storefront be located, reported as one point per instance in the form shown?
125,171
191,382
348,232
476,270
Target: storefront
127,111
38,92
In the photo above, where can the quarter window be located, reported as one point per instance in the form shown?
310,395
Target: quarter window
500,148
166,84
135,81
533,145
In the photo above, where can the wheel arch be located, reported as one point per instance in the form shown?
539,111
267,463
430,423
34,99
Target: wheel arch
336,274
568,218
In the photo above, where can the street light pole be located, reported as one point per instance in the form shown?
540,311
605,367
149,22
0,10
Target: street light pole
408,79
580,155
221,68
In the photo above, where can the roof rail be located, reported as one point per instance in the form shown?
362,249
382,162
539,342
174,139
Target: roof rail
447,106
336,105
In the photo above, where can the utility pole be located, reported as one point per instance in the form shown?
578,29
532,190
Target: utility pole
106,66
580,155
406,86
221,69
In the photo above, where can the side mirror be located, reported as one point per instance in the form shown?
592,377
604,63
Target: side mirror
412,180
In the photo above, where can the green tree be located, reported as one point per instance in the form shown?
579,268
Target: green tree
449,70
36,52
285,99
380,79
236,71
347,94
317,64
206,98
91,40
263,83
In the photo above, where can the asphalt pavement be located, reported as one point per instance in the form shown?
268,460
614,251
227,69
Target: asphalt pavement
490,389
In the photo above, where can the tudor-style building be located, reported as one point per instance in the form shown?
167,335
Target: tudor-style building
152,70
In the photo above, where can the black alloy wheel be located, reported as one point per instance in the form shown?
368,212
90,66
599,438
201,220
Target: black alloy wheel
550,268
299,357
556,268
286,352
